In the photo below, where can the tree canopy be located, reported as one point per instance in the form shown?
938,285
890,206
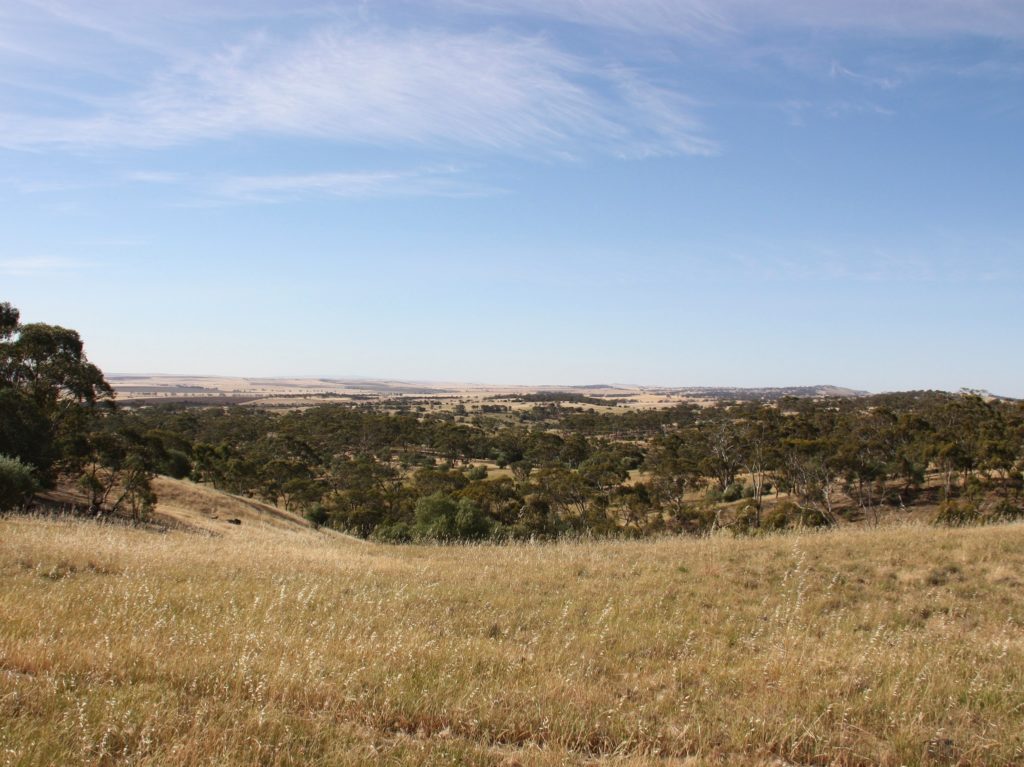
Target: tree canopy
52,407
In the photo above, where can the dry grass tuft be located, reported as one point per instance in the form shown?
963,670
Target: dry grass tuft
854,647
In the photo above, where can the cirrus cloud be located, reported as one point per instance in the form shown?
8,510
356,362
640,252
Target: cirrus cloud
709,19
486,91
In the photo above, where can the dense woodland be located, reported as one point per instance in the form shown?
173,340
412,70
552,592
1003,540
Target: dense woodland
388,470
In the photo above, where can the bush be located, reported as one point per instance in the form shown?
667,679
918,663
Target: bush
476,473
813,518
957,513
746,517
775,518
693,519
17,483
317,515
177,464
396,532
1008,510
973,512
733,492
788,514
440,517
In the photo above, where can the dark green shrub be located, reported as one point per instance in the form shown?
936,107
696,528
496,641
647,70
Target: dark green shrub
476,473
813,518
1007,510
176,464
775,518
396,532
733,492
788,514
17,483
440,517
746,517
317,515
694,519
958,513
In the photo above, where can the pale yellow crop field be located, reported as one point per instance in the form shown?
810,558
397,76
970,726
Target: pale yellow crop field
293,393
871,646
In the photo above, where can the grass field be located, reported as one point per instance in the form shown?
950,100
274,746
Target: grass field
271,647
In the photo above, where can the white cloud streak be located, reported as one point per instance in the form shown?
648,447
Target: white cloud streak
691,18
712,19
486,91
335,71
885,83
348,185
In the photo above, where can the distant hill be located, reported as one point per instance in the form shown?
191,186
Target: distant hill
988,396
214,391
764,394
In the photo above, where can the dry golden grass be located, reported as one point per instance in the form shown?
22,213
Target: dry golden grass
887,646
201,506
197,507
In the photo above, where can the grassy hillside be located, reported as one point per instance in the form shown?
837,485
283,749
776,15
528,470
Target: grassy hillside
889,646
201,506
187,505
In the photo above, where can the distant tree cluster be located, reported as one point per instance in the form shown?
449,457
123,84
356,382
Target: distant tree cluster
406,473
407,476
561,396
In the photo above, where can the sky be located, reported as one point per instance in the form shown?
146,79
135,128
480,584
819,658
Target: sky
671,193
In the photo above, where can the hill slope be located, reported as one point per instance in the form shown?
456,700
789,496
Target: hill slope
185,504
202,506
856,647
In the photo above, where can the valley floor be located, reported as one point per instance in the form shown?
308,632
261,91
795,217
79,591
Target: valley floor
898,645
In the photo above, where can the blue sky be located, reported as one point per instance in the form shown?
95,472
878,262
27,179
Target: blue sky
695,192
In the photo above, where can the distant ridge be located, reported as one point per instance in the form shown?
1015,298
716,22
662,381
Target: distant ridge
770,393
140,390
986,395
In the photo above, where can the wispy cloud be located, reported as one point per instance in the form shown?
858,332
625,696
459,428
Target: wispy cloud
718,19
482,75
487,90
886,83
907,18
692,18
348,185
664,121
211,189
845,107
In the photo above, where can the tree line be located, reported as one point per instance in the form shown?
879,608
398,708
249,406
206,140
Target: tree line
404,476
555,470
